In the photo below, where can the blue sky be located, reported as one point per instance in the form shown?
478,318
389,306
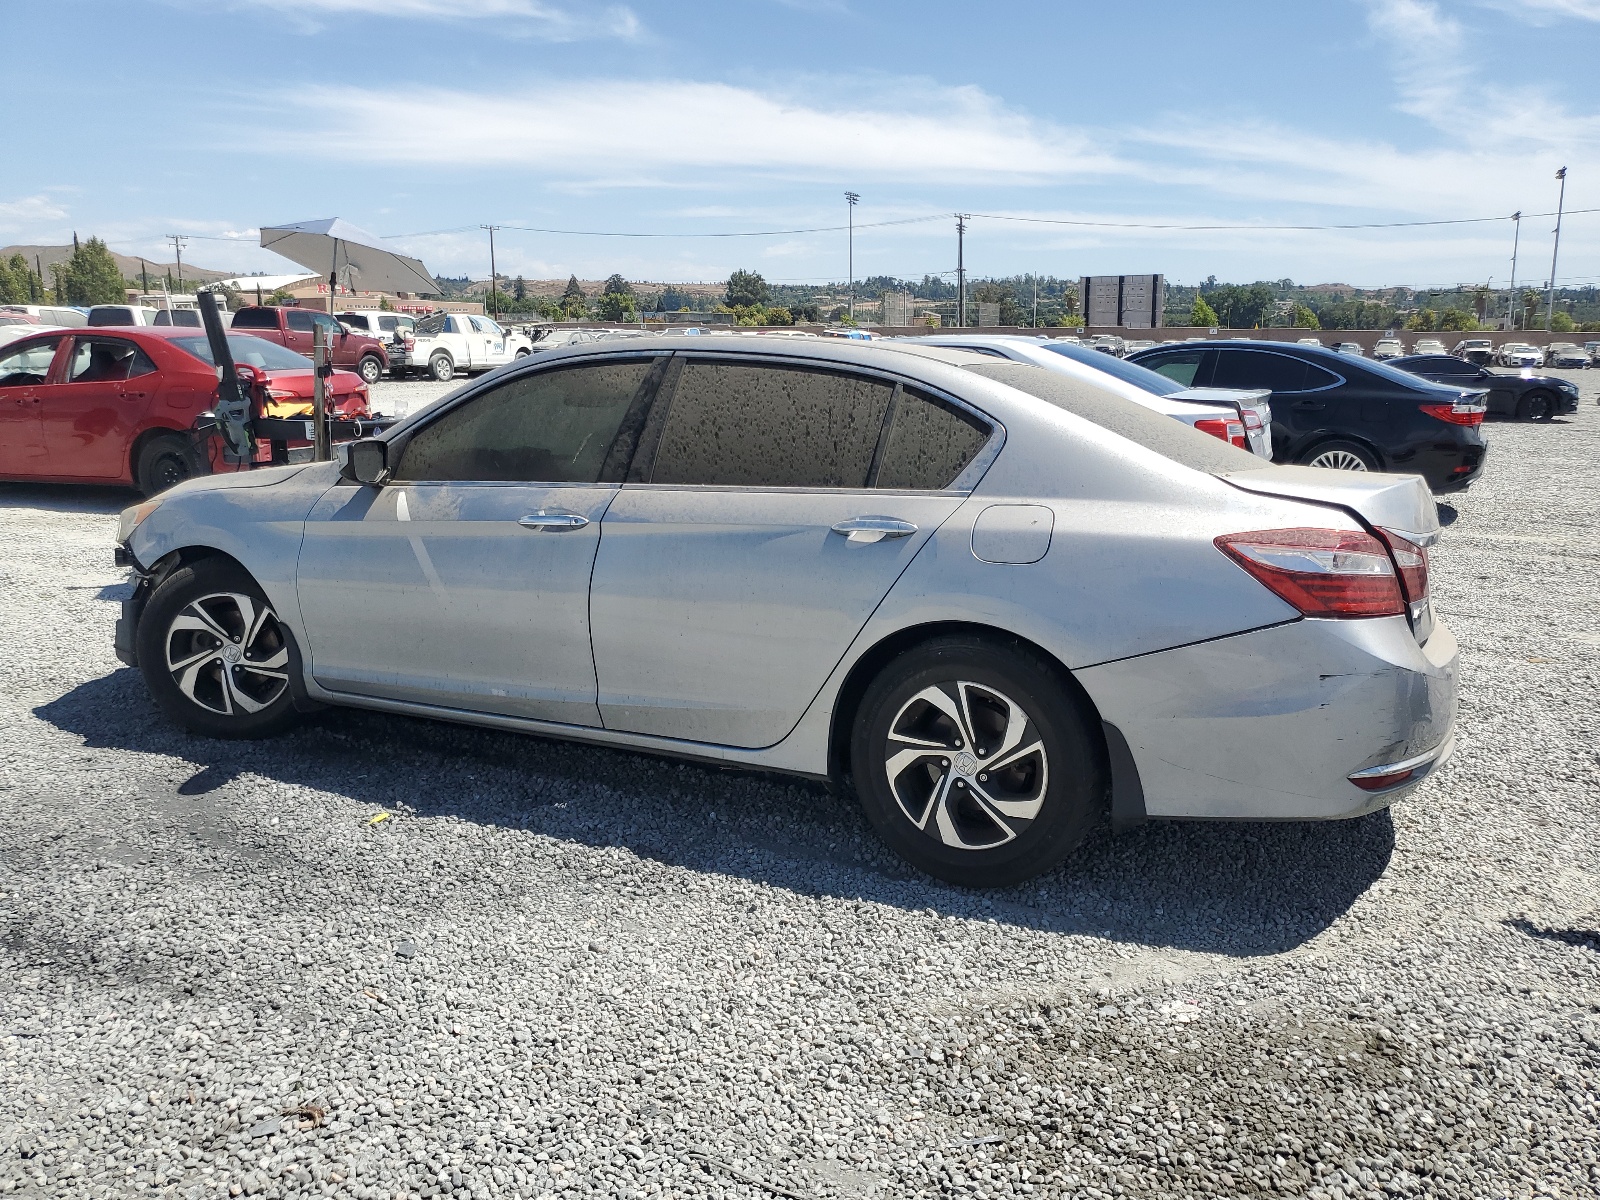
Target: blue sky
213,117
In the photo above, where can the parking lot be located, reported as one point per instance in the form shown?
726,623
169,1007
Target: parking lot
391,958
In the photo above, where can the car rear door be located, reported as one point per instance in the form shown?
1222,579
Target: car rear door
93,415
464,582
772,507
1191,368
25,373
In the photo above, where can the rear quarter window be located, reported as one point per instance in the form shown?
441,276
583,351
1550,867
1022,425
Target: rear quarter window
255,318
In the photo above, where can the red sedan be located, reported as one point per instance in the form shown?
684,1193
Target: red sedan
114,405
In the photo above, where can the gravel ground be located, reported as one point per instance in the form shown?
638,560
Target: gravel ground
559,971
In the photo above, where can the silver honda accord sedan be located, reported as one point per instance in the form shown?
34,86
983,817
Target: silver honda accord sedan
999,603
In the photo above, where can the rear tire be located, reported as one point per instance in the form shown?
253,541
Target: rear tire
442,367
370,369
164,461
929,727
215,656
1341,456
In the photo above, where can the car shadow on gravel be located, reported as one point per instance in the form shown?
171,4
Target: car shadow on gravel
1239,888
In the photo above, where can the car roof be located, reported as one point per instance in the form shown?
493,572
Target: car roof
1295,349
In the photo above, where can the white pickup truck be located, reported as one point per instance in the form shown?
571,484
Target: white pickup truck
451,342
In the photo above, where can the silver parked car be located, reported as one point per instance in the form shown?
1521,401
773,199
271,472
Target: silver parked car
997,601
1238,416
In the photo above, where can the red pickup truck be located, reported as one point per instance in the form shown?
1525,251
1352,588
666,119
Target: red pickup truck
295,327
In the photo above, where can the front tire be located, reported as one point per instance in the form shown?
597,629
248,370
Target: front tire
165,460
442,367
215,656
370,369
1341,456
1537,406
975,763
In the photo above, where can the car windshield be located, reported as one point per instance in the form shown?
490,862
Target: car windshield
1140,377
251,351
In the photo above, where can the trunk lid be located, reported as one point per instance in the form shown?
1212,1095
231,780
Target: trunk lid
1401,503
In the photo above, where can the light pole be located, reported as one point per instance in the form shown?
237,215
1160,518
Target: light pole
1511,301
961,271
852,199
177,241
494,278
1550,317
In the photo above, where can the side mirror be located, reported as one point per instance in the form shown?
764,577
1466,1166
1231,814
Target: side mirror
366,462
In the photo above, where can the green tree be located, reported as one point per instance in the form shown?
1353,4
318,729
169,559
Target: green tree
1457,320
91,276
616,285
616,306
1424,320
16,281
1304,318
1530,305
573,291
519,289
1480,300
1563,323
746,288
1202,314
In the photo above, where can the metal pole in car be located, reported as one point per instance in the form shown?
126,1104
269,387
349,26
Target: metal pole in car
321,450
1550,317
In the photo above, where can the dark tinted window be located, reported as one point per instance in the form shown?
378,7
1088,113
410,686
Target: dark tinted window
1181,366
388,324
111,314
300,321
769,426
929,443
256,318
27,363
107,360
1443,364
1258,369
1316,378
552,427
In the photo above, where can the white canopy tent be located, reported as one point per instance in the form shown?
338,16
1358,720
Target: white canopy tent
350,255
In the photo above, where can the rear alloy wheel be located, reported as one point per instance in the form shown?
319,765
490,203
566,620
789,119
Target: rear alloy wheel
975,763
214,654
370,369
1341,456
1538,406
164,460
442,367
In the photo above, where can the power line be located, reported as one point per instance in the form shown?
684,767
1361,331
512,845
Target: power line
1247,228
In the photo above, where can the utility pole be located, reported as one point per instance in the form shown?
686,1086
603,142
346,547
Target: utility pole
961,271
1036,302
494,278
1550,316
177,249
1516,238
852,199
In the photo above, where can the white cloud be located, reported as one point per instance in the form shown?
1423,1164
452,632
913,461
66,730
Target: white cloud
1546,12
534,18
21,217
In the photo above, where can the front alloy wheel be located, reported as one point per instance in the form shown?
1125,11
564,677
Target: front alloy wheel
226,652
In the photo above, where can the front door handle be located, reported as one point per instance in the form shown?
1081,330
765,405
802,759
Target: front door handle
557,521
874,529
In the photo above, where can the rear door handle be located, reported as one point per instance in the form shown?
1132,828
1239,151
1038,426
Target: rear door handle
557,521
874,529
1308,405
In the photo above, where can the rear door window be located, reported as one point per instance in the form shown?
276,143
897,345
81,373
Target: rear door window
256,318
107,360
1258,369
1189,368
929,443
1317,377
770,425
554,426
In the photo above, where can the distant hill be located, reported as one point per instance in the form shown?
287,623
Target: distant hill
46,255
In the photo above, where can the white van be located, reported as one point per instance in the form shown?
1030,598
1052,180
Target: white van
62,318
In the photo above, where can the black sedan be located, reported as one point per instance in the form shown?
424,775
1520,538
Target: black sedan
1525,397
1334,410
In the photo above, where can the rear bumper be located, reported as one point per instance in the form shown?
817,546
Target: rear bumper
1454,469
1272,724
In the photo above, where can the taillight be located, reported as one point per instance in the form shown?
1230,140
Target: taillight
1321,572
1252,419
1412,561
1229,429
1468,410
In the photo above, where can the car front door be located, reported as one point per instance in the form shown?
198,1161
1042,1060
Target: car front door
24,383
92,416
771,507
298,325
464,582
340,350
